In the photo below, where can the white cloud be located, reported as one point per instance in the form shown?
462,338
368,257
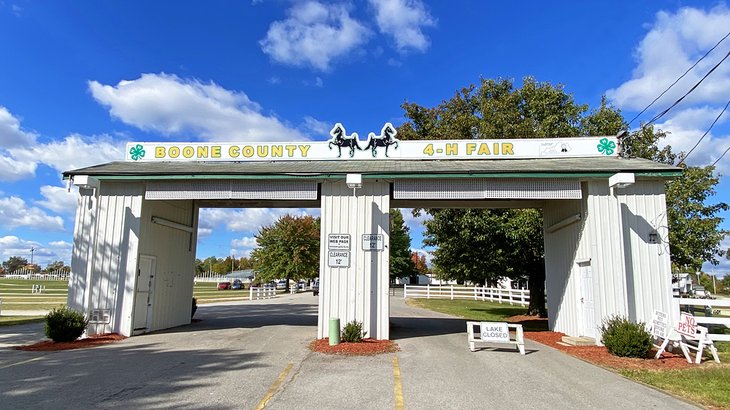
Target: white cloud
414,222
42,254
674,42
723,268
11,135
173,106
61,244
245,242
74,151
14,213
21,153
243,246
686,127
247,219
14,170
313,35
404,20
320,129
58,199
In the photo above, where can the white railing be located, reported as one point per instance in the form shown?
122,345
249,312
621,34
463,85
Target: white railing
211,279
262,293
512,296
710,307
28,274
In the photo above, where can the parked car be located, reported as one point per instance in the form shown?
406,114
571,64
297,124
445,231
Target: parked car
315,287
237,285
281,284
224,285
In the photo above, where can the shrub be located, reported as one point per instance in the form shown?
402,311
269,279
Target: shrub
352,332
65,324
195,307
624,338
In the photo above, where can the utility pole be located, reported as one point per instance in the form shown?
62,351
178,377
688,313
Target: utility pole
32,249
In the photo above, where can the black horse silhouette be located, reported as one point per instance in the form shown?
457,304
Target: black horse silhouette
341,139
385,139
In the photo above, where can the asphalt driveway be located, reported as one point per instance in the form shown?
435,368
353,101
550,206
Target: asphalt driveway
254,355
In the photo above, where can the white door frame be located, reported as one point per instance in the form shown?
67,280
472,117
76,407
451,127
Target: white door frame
147,313
587,308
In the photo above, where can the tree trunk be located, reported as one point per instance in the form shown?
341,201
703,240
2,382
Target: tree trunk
537,293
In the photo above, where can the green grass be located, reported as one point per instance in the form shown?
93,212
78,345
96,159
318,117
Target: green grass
16,294
708,385
19,320
470,309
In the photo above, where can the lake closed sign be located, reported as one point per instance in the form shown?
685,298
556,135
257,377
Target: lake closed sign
497,332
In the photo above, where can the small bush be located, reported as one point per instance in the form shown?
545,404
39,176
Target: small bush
352,332
195,307
624,338
65,324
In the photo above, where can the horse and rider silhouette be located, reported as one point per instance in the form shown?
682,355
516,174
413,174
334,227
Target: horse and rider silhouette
385,139
340,139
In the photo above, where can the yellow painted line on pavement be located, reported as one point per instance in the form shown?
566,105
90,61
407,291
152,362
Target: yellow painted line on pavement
397,385
274,387
23,362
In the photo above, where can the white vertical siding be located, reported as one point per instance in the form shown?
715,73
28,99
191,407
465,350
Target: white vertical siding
105,250
361,291
561,251
84,234
175,253
649,284
632,283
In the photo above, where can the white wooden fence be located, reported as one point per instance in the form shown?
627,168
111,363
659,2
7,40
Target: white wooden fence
716,312
512,296
262,293
29,274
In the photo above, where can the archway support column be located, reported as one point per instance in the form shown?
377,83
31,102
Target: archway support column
354,280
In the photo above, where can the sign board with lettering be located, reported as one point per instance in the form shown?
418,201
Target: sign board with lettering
494,332
338,241
345,146
659,324
372,242
338,259
687,325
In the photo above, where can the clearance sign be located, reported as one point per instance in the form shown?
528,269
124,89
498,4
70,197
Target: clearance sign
375,147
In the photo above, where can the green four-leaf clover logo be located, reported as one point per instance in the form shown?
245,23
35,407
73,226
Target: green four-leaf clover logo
606,147
137,152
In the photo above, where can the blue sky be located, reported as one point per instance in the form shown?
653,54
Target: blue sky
80,79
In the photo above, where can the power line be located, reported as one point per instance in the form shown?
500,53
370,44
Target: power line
723,154
680,77
661,114
706,132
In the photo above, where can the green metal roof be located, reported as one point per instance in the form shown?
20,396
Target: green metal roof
515,168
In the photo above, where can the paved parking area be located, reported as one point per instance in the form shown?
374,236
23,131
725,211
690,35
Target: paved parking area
254,355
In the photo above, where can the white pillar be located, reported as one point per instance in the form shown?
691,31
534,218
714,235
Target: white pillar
360,291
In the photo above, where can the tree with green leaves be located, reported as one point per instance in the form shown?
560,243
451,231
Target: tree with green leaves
14,263
54,266
401,264
498,109
694,225
694,234
287,249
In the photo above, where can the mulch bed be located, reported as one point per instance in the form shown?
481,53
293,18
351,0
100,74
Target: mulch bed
368,347
91,341
598,355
